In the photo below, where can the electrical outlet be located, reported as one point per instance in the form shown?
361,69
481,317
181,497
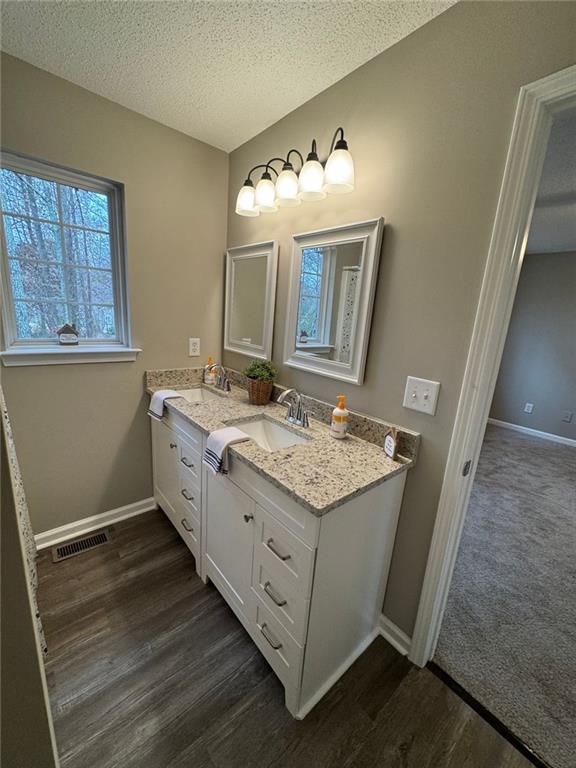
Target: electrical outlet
528,407
421,395
193,347
567,416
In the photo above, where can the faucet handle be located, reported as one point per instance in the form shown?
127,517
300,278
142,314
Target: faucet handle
305,420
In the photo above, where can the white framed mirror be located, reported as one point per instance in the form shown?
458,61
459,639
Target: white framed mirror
332,286
250,299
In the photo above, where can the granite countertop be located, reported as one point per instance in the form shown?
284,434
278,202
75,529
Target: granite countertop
320,474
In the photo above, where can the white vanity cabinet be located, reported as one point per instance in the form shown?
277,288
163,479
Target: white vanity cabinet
309,590
177,467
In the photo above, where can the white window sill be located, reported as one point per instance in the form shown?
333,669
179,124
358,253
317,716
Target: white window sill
68,355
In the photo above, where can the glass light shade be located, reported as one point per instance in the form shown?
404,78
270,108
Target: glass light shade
311,181
339,172
245,202
266,196
287,189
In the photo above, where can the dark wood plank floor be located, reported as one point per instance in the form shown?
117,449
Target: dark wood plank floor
148,667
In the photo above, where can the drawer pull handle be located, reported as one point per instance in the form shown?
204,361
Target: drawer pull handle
187,463
173,445
274,643
187,495
272,547
272,594
186,525
249,517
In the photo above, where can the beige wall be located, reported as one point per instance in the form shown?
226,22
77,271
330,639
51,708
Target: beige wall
428,123
81,430
539,360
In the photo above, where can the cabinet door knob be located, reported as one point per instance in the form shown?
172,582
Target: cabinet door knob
249,517
173,445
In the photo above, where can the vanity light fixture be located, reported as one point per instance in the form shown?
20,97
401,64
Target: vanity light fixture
313,181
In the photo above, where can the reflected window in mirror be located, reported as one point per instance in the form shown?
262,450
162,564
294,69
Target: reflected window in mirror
332,290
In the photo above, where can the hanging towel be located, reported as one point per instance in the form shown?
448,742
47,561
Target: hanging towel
216,451
156,409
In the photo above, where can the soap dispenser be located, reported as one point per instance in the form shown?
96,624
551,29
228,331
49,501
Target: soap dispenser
209,377
339,423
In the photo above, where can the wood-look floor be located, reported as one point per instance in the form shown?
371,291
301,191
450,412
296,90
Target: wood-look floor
148,667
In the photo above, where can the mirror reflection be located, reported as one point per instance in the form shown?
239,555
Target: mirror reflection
328,305
248,300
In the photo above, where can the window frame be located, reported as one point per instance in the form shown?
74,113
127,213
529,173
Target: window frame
17,351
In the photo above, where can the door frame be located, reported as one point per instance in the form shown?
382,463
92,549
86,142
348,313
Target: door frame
538,104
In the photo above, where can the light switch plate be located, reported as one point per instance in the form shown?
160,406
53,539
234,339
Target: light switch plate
193,347
421,395
567,416
529,407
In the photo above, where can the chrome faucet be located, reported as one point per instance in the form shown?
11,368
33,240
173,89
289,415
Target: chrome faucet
295,413
222,381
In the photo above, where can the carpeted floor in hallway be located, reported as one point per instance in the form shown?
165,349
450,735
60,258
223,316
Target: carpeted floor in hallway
509,632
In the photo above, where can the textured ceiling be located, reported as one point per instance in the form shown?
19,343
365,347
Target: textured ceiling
218,70
554,221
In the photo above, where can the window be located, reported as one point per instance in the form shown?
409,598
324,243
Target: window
314,311
63,259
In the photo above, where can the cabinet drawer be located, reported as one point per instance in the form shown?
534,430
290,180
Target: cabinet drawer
278,595
280,650
190,461
190,497
188,528
282,554
184,429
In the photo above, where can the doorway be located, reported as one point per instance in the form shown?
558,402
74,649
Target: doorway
540,105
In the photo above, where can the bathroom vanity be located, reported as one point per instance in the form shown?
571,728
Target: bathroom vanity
297,537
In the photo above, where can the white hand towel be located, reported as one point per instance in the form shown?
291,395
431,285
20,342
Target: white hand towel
216,451
156,409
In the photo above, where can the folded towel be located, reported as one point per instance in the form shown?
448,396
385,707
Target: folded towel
156,409
216,451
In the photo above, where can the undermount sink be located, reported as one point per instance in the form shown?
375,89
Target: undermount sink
197,395
270,435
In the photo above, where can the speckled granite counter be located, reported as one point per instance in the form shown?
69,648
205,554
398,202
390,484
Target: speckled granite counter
320,474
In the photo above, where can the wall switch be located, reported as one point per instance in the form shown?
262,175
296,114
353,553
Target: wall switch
529,407
421,395
567,416
193,347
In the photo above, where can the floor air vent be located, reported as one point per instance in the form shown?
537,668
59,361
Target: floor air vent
77,547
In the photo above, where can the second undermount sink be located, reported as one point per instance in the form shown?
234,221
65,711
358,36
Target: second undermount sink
270,435
197,395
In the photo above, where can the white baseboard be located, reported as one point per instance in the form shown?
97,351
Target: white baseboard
395,635
81,527
533,432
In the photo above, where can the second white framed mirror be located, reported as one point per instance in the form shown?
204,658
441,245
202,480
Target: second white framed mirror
332,286
250,299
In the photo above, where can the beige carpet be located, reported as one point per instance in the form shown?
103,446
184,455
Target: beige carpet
509,632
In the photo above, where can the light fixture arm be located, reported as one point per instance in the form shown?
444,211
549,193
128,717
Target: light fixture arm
288,165
341,143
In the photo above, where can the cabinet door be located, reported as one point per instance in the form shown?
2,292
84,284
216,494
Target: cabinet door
165,451
229,540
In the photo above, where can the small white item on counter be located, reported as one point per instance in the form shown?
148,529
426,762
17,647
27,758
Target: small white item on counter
339,423
216,451
156,409
391,443
209,377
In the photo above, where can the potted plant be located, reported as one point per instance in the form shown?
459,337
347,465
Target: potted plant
261,375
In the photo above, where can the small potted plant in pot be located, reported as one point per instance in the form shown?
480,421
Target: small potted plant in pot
261,375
